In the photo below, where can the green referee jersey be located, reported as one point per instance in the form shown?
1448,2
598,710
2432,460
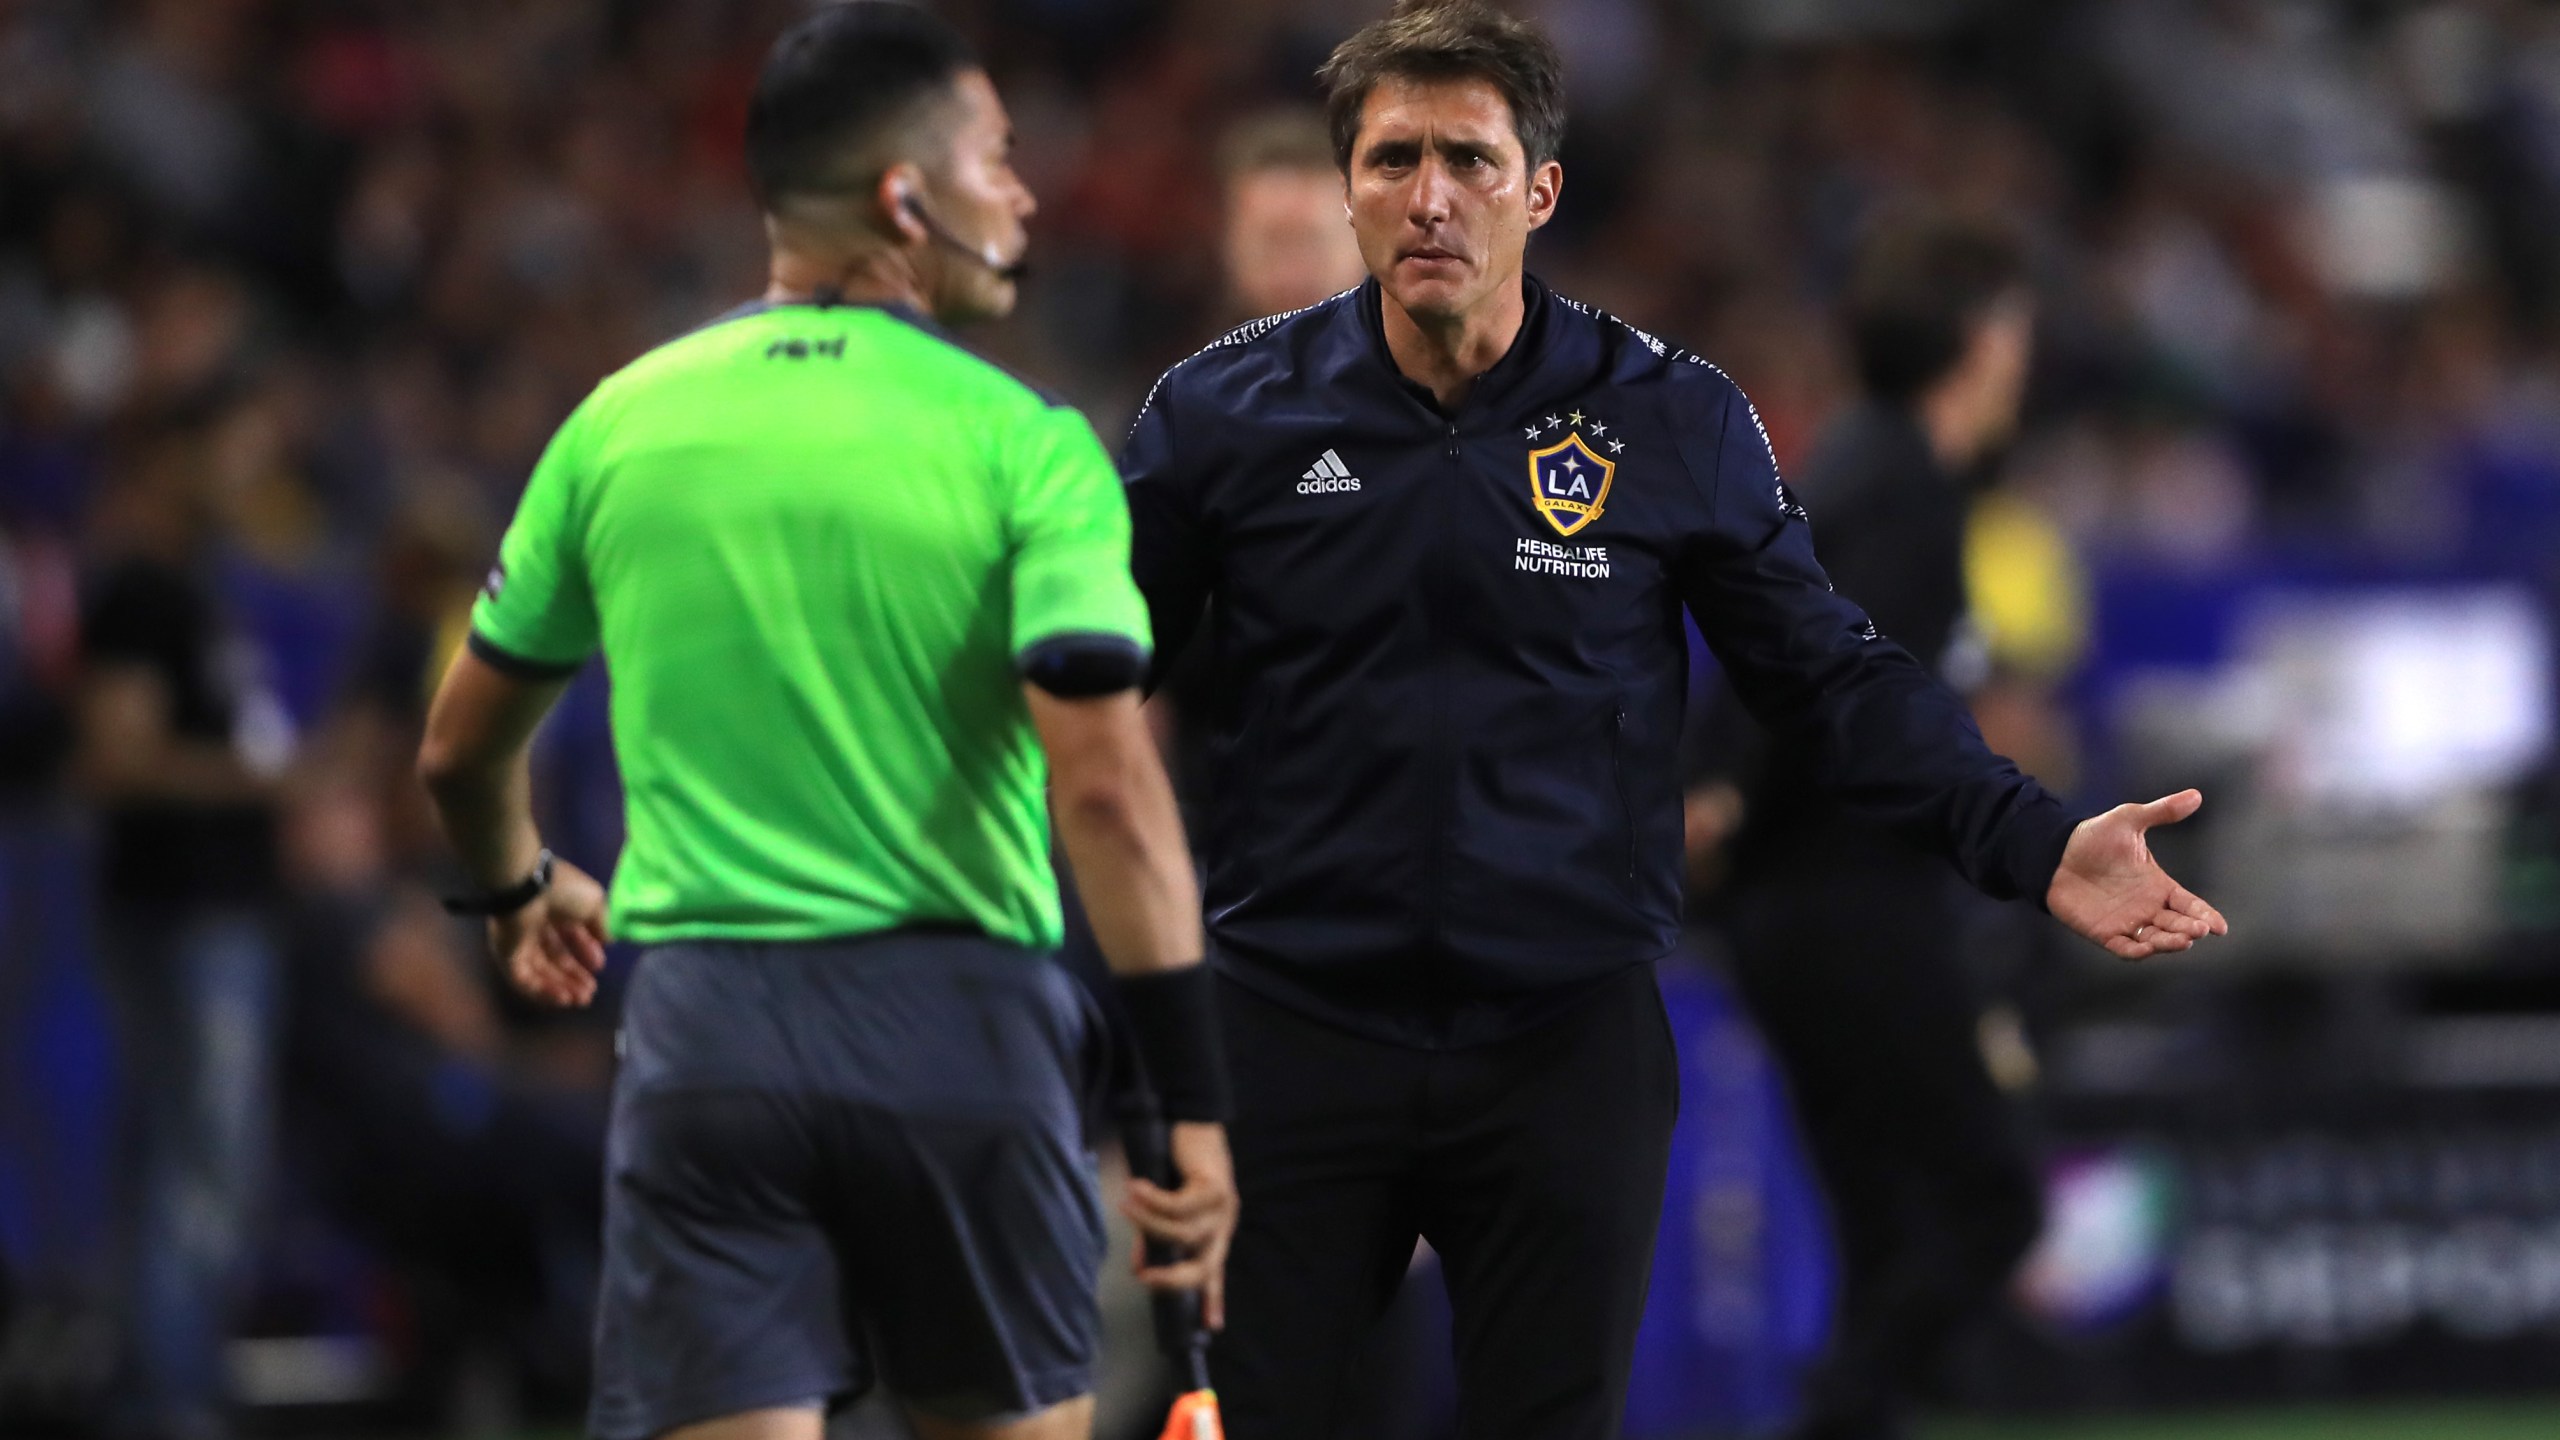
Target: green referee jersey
812,543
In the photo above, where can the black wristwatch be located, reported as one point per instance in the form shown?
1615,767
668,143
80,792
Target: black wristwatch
494,903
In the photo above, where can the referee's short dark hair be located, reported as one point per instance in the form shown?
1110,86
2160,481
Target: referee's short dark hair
1449,40
837,91
1922,282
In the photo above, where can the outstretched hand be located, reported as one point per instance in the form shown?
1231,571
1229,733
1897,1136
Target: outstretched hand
2110,890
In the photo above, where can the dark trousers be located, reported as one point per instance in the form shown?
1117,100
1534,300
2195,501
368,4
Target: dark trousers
1534,1166
1850,964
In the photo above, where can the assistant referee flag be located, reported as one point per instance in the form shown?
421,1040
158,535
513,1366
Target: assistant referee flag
816,707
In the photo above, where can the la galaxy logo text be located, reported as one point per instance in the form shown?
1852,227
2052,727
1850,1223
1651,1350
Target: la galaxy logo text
1569,480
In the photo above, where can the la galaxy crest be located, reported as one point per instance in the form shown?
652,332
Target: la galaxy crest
1569,480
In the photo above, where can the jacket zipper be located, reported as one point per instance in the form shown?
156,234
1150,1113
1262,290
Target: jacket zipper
1435,868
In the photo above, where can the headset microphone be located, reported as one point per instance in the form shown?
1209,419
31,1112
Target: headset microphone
986,255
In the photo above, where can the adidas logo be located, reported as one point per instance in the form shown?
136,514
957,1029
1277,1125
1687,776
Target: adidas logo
1327,475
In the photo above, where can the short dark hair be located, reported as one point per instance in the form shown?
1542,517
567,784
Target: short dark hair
1449,40
1921,283
838,85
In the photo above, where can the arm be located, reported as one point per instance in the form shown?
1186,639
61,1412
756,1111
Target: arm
534,624
1123,838
1879,731
1124,843
1080,637
474,763
1886,736
1168,552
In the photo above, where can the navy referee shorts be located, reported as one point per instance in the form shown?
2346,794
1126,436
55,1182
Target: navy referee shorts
834,1164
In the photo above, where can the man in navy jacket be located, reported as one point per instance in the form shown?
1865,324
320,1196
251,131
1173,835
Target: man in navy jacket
1440,531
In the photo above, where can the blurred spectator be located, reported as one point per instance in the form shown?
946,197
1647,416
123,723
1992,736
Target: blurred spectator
1934,1196
467,1149
38,639
181,745
431,561
1288,240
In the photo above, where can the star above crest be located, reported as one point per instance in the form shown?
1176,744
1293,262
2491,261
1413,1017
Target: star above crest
1574,422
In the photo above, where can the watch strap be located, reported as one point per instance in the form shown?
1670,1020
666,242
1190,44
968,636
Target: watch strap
494,903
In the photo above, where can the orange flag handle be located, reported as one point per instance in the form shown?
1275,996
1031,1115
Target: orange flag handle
1195,1417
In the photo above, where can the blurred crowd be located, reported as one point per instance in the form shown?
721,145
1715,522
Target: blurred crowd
292,294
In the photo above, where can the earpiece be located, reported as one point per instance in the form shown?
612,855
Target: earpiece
986,254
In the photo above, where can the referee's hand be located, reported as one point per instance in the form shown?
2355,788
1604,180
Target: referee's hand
553,948
2111,891
1200,1218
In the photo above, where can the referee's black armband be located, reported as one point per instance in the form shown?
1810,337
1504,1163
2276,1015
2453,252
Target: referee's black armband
1175,1016
518,667
1083,665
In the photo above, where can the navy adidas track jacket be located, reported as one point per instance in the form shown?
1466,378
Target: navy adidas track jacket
1448,665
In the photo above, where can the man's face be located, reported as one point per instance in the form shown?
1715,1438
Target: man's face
976,196
1442,196
1287,242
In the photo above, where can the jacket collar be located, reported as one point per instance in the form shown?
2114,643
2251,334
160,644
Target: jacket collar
1496,387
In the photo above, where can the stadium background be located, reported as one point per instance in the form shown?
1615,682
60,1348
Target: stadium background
2285,522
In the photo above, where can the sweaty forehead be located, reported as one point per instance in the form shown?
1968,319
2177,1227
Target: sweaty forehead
1459,107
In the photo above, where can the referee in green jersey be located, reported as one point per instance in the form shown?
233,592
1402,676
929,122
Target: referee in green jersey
862,596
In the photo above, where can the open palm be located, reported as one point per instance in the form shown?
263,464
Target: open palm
2110,890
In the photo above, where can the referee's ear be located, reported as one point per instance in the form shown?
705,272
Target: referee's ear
900,197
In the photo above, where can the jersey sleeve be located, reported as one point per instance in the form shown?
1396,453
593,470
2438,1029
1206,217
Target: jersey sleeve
536,616
1879,731
1078,622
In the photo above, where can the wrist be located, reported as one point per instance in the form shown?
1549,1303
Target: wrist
1173,1014
2039,842
500,901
